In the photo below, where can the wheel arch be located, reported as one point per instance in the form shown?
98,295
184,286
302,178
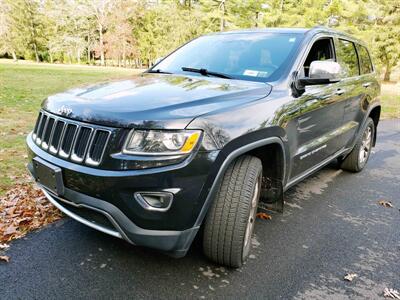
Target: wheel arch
266,149
375,114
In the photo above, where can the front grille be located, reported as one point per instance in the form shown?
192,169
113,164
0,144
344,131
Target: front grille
68,139
79,142
96,149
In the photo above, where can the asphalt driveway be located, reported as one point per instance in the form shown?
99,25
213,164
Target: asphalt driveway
332,225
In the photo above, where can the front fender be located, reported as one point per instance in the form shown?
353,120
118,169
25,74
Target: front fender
226,156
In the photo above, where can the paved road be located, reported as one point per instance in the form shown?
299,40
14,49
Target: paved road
332,225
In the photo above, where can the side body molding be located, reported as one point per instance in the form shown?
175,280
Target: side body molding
228,160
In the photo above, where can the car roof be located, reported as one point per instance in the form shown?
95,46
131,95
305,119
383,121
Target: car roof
306,31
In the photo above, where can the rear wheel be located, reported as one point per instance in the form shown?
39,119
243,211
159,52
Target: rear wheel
358,157
230,222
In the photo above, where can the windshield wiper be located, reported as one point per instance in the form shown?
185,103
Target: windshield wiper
159,71
205,72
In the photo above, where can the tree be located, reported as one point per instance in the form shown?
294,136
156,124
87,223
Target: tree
387,36
142,30
24,23
100,10
7,41
119,40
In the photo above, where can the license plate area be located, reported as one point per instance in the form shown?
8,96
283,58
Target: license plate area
48,175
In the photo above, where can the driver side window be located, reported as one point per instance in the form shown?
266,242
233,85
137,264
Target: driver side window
322,49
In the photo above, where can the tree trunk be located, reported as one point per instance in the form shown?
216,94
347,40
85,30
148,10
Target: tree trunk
36,52
102,61
78,56
388,72
14,56
51,57
257,16
222,7
124,55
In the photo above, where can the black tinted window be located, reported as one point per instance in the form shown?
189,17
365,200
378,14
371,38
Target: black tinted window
365,60
347,57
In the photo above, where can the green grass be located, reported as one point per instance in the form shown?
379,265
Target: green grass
390,98
24,86
22,89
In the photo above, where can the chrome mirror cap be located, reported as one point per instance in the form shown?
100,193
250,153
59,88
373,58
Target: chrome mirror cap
324,69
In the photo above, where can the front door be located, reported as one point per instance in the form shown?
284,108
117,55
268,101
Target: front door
317,129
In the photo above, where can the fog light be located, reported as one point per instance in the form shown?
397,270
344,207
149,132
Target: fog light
156,201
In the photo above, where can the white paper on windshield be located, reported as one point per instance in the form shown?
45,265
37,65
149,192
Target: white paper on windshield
250,73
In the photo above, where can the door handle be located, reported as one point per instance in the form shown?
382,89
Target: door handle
366,84
340,92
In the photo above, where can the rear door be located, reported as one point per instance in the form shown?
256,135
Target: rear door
365,89
351,85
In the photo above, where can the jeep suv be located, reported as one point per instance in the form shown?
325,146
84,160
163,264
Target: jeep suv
225,121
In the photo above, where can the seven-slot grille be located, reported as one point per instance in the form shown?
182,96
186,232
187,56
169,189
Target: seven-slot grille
70,140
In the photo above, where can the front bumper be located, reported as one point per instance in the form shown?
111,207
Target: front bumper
176,243
103,199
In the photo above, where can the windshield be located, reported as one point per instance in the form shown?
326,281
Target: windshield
248,56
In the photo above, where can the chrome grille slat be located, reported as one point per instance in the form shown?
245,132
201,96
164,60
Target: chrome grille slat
71,140
68,140
42,125
81,143
57,134
37,125
96,151
47,133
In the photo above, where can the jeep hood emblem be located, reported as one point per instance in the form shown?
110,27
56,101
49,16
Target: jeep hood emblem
65,111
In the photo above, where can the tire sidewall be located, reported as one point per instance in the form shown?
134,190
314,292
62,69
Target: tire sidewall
247,249
368,124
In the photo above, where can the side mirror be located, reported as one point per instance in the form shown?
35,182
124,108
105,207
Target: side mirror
322,72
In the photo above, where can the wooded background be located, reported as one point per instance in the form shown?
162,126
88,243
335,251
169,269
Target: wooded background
133,33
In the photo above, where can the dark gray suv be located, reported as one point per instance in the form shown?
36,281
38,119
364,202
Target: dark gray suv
223,122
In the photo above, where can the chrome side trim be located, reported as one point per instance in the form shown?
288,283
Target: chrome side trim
305,174
80,219
326,137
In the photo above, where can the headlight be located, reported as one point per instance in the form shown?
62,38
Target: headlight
161,142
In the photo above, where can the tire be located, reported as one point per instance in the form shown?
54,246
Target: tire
358,157
230,221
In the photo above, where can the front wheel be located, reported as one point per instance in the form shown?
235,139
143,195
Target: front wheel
358,157
230,222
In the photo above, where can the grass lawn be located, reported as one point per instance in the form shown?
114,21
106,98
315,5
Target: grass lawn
390,98
23,86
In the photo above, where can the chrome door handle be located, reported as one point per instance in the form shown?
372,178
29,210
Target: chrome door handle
366,84
340,92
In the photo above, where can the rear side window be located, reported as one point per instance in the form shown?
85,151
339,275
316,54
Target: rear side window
347,57
365,60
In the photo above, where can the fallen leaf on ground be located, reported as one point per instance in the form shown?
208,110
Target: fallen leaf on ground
22,209
4,246
4,258
391,293
350,276
385,203
264,216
